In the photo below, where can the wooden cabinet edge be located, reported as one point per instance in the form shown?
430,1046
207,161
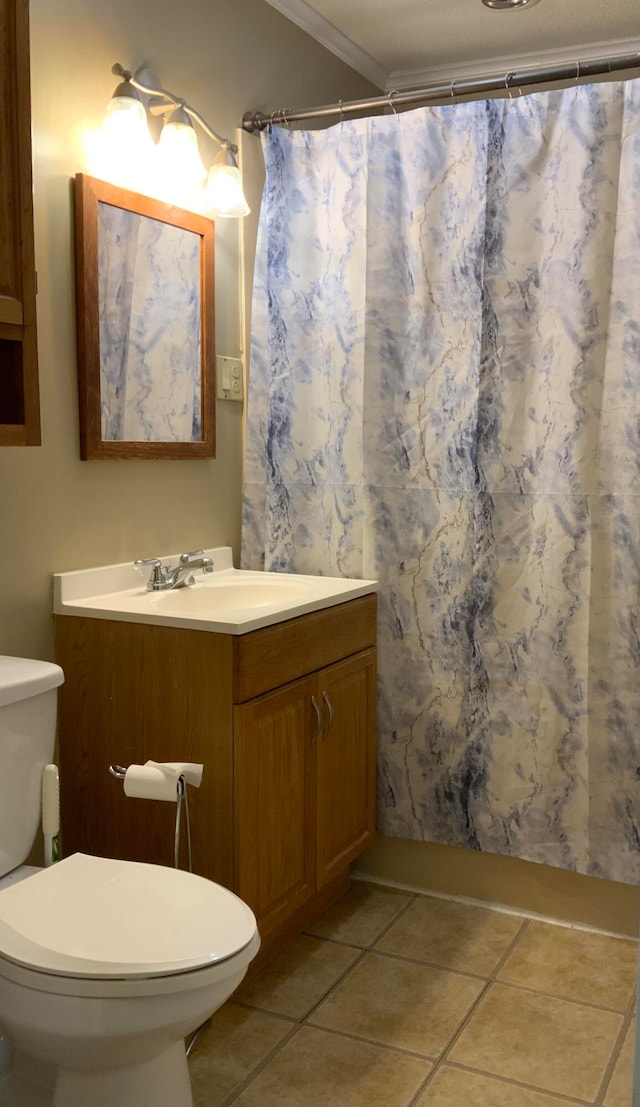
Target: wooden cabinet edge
323,637
22,330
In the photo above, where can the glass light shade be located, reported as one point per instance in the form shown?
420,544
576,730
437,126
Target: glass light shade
127,115
224,195
179,144
181,172
126,147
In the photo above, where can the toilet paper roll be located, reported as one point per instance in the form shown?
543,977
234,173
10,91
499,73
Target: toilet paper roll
159,780
191,772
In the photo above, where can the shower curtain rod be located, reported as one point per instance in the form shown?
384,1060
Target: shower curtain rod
514,81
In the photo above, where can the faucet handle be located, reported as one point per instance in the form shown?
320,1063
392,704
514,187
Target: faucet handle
185,558
158,571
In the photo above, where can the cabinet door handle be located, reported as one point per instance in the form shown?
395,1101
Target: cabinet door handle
318,712
330,710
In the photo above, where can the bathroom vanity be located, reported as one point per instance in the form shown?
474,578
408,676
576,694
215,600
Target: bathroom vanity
282,716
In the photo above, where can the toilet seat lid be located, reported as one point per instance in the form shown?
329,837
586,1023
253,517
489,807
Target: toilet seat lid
96,917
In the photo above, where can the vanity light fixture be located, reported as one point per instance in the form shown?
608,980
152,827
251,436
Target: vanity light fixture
178,157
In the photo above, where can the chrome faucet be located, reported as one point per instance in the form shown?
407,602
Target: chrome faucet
164,576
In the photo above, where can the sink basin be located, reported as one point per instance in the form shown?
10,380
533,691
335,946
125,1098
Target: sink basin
227,601
235,595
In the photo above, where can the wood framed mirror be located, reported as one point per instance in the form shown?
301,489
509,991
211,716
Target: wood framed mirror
145,326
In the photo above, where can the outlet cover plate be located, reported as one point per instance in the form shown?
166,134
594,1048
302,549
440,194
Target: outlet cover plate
229,378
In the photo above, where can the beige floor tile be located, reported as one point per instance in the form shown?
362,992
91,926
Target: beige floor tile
316,1069
399,1003
589,968
619,1091
455,935
553,1044
361,915
228,1051
295,981
454,1088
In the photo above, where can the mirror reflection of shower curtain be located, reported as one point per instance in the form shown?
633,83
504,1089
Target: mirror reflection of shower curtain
149,277
444,394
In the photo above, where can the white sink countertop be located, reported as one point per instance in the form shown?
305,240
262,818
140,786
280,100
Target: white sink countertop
226,601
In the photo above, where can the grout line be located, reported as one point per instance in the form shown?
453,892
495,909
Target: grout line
363,952
299,1020
410,899
504,981
336,984
427,964
251,1076
615,1056
263,1010
492,979
402,1050
510,1083
423,1087
385,930
515,942
442,1059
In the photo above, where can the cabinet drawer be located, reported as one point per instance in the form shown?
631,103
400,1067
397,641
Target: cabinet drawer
272,656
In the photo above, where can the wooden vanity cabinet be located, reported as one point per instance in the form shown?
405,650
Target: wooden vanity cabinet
283,719
19,398
304,786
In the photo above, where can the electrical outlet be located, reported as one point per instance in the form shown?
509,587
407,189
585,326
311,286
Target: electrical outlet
229,378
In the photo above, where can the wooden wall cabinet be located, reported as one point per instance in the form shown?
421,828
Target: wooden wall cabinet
283,719
19,398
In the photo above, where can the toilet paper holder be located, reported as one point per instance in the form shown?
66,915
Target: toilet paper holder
120,772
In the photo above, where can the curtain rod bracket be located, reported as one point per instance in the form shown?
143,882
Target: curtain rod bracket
254,121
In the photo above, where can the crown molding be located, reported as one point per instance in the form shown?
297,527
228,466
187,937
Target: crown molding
512,63
334,40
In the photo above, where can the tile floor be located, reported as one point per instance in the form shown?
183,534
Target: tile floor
396,1000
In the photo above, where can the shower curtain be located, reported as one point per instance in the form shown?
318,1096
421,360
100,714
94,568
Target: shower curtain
444,396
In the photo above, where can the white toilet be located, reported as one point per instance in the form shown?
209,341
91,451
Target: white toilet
105,965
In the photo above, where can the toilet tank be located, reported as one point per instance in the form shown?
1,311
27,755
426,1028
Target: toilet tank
27,736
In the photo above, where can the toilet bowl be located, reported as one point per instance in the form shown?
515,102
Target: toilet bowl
105,966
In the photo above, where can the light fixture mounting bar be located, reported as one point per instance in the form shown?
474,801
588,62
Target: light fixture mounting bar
174,101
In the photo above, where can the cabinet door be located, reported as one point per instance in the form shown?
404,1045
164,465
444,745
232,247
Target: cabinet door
274,803
346,763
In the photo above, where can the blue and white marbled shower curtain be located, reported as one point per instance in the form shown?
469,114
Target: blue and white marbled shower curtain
445,395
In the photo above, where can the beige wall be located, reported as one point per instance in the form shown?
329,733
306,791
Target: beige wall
56,512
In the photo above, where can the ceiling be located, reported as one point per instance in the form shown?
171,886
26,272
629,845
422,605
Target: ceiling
405,43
